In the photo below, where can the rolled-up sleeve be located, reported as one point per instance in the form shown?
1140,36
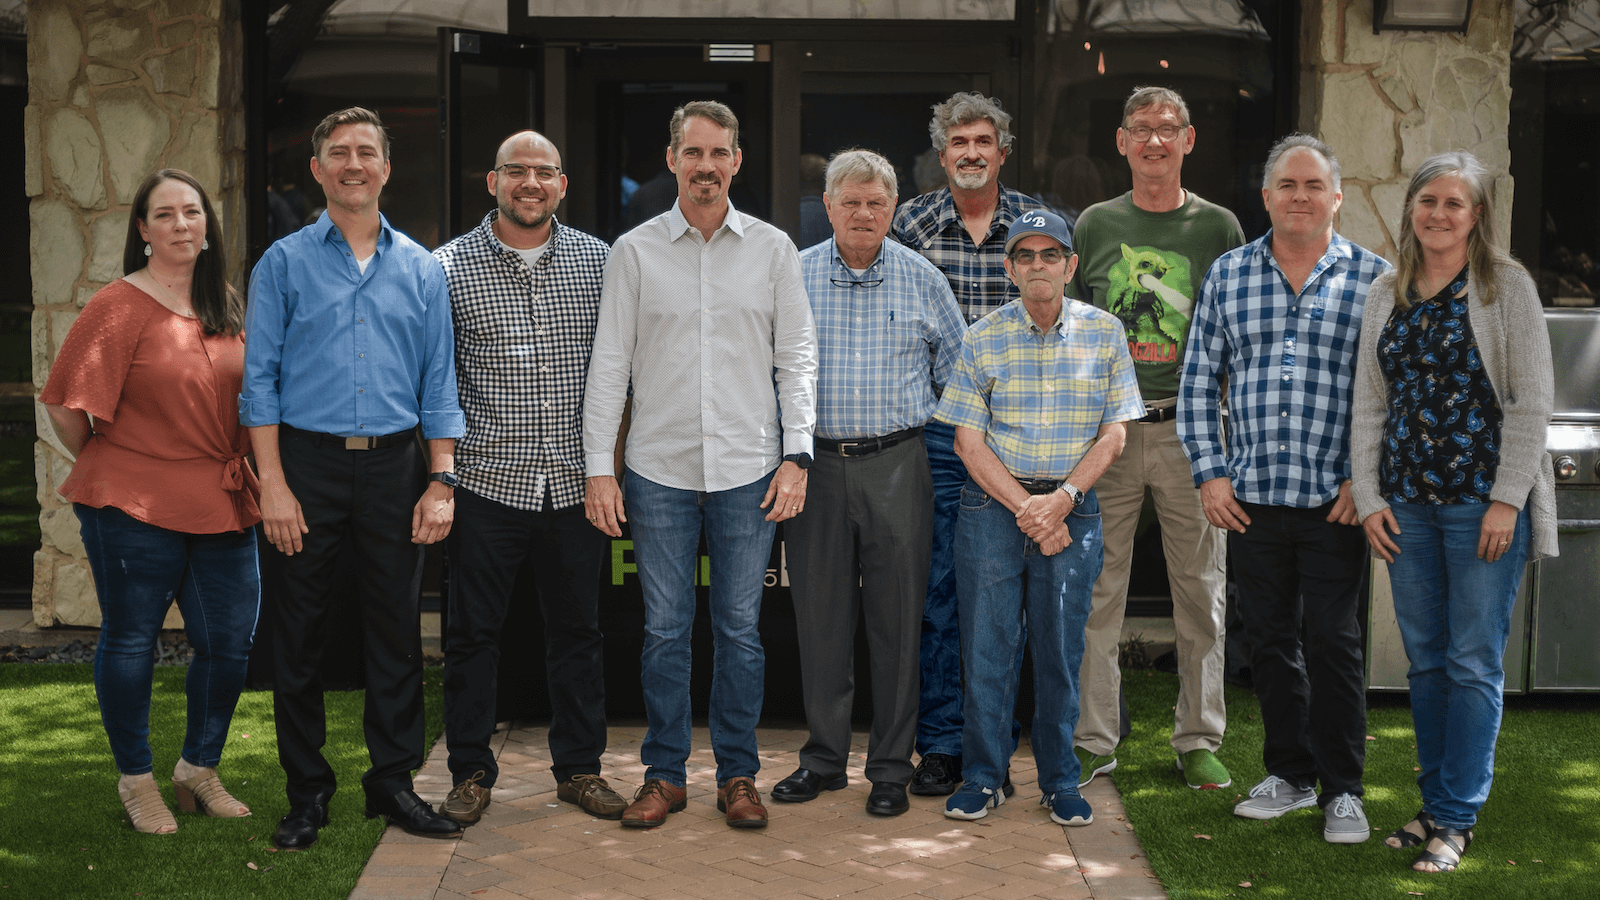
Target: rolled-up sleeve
439,403
266,319
794,354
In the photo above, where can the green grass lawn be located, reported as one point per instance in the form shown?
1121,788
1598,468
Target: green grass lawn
1537,837
62,830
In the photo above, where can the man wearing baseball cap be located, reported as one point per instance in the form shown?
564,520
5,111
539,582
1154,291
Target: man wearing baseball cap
1038,403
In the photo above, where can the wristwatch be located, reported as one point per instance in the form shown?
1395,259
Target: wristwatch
803,460
1073,494
448,479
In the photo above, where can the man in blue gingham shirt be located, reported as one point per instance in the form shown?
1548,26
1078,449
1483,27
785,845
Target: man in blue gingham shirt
888,335
525,295
1276,326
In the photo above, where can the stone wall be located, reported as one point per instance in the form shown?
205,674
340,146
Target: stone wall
1386,102
116,90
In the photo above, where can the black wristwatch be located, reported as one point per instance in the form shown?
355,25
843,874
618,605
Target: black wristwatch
803,460
448,479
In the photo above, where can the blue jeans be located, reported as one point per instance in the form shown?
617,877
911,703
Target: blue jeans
1454,611
939,709
1004,581
666,523
139,569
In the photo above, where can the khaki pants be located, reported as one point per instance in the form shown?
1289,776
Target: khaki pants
1196,552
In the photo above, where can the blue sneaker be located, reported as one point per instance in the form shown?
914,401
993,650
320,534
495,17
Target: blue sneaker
972,802
1068,807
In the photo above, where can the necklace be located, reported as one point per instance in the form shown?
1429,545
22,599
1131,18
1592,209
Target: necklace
177,306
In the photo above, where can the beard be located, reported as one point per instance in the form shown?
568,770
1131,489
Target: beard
971,181
509,211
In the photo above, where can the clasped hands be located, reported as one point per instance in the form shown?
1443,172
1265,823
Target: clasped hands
1043,518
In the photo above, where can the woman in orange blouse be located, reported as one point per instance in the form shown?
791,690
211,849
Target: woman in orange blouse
145,393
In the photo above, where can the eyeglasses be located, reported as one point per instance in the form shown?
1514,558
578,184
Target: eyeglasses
517,172
1141,133
860,284
1048,257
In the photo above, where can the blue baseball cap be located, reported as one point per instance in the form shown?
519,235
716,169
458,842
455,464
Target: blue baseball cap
1039,221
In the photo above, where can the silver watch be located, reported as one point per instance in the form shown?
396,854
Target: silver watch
1073,494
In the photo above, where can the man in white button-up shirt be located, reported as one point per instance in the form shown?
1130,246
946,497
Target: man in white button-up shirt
703,309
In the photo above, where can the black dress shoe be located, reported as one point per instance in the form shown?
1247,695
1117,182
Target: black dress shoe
936,775
805,785
887,799
298,830
406,809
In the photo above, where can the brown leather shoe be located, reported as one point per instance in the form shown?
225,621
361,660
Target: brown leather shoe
741,801
466,801
651,805
592,795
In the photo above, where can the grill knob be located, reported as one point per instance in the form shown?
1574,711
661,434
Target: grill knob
1566,468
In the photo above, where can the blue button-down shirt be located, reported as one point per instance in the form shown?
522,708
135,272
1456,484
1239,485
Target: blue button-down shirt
931,225
1289,360
886,340
332,349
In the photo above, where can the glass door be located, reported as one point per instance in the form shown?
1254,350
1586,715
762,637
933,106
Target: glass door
489,87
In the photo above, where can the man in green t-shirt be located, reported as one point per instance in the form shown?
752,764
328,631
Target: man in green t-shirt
1143,256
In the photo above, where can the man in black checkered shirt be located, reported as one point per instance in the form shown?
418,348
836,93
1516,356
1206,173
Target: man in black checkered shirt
525,294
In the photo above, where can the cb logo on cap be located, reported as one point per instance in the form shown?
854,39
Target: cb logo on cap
1033,219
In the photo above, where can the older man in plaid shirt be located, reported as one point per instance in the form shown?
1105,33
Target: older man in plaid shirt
961,229
1276,327
525,293
1038,402
888,334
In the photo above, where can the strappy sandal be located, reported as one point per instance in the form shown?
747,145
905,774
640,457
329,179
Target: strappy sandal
146,811
1403,837
203,792
1455,841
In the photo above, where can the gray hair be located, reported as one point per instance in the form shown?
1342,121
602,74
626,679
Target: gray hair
856,165
1299,141
718,113
1483,251
965,107
1155,96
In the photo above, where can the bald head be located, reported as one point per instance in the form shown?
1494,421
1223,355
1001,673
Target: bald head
525,140
527,185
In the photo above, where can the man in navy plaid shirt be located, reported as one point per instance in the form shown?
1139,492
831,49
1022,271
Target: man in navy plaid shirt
962,230
525,294
1276,327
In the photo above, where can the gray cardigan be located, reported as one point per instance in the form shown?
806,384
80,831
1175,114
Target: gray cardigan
1515,346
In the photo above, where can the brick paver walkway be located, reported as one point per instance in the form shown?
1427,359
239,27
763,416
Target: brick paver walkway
529,845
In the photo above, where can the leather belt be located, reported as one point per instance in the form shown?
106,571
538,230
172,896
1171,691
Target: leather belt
865,446
352,443
1039,485
1153,414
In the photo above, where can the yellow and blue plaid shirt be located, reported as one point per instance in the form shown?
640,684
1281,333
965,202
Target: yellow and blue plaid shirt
1040,397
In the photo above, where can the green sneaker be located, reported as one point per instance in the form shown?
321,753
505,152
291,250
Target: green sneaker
1203,771
1090,765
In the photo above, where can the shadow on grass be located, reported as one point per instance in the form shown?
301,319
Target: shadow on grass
62,828
1538,836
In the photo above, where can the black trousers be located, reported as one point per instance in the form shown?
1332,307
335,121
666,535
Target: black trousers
489,543
363,498
1300,580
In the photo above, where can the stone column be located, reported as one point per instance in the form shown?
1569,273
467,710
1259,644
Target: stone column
1386,102
116,90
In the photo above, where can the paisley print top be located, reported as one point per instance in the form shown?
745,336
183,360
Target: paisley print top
1442,434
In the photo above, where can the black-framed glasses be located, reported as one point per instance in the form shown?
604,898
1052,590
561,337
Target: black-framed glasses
1142,132
1049,257
843,282
519,172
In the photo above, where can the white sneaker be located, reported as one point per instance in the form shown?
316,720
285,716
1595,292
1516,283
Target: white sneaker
1273,797
1346,821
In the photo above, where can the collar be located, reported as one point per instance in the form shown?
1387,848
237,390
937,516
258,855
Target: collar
325,230
942,211
678,226
883,249
499,247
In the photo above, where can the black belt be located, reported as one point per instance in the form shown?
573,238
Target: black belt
352,443
864,446
1039,485
1153,415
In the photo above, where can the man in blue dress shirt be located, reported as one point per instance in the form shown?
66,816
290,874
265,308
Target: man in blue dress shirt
888,334
349,350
